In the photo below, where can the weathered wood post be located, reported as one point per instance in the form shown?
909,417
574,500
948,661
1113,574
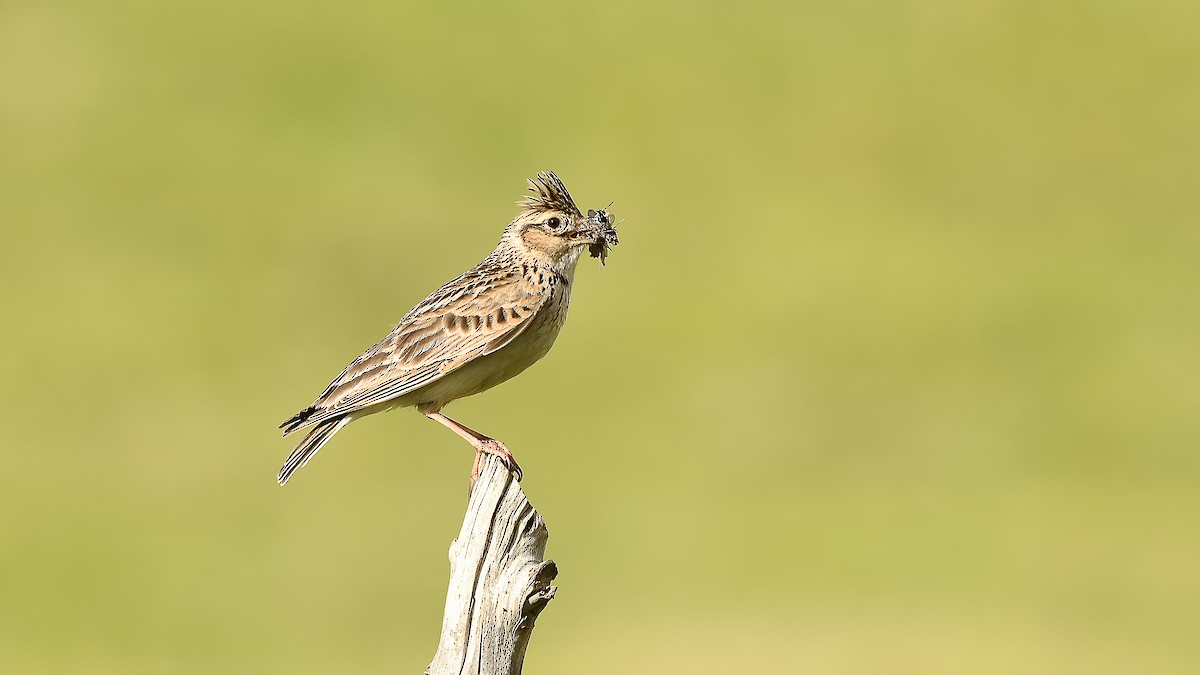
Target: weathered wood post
499,582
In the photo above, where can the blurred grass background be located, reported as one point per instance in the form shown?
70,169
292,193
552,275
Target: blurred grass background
894,371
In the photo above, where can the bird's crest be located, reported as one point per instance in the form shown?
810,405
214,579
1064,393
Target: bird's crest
549,194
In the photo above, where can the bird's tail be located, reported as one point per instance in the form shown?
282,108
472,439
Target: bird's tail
308,447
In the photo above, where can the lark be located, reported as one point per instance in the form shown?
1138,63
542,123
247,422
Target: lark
484,327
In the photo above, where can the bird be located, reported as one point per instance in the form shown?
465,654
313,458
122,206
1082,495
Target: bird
482,328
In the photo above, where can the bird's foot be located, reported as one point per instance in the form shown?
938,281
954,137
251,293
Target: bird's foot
490,446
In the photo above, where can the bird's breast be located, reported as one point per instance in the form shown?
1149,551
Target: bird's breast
485,372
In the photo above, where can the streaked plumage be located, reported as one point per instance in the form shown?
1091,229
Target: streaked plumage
473,333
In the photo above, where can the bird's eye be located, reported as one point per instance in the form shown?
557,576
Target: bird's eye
553,223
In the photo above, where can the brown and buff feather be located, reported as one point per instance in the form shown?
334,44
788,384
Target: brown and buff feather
472,316
308,447
549,194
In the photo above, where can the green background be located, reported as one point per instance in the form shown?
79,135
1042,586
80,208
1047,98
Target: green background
894,371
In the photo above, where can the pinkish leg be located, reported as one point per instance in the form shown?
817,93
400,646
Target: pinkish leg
481,443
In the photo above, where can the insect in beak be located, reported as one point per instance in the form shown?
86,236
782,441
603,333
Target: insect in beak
603,231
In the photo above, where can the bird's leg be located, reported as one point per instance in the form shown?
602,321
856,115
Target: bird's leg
481,443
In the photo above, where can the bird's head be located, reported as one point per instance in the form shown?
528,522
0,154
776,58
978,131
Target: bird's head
550,228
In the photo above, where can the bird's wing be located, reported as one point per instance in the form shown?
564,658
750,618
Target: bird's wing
472,316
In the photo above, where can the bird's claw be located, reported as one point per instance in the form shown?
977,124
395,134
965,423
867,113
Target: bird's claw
494,447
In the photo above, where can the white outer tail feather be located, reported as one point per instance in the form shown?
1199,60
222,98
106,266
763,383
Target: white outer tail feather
308,447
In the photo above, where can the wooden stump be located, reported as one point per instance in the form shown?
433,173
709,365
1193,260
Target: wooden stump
499,581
